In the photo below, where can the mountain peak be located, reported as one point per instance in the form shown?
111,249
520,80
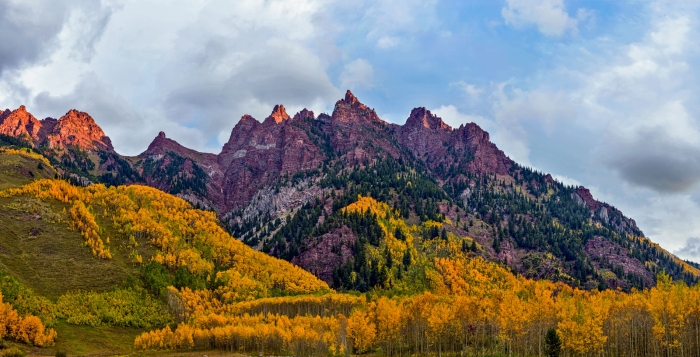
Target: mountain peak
422,117
78,129
19,123
350,98
351,109
588,199
248,118
304,113
278,115
162,144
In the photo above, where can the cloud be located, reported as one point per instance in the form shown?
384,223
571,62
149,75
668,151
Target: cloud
386,42
691,250
471,90
652,132
661,153
452,116
513,108
192,71
549,16
512,105
567,180
386,23
27,29
357,74
96,98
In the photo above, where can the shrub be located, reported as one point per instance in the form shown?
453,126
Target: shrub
13,352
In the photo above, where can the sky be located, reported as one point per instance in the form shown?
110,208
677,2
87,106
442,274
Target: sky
598,93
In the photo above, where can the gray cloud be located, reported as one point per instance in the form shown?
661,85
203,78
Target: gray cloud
691,250
656,160
27,29
289,76
116,117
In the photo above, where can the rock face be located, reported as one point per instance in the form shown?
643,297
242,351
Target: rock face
332,249
469,147
257,154
20,123
158,156
605,213
76,129
612,256
356,132
80,130
276,172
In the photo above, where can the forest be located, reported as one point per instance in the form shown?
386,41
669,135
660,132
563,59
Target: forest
414,285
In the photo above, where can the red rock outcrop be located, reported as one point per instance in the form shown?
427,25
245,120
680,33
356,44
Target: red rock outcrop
486,156
588,199
257,154
80,130
332,249
304,113
161,145
605,213
350,109
357,132
20,123
278,116
73,129
606,254
435,142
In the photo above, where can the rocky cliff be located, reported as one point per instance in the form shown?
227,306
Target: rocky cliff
74,129
280,184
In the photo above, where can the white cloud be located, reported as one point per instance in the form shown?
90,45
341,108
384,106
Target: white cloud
390,22
567,180
386,42
549,16
452,116
512,108
357,74
192,70
471,90
634,106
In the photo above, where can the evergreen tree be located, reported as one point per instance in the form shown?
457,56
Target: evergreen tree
552,343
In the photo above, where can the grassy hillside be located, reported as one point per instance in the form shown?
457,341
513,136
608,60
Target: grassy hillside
21,166
94,262
132,270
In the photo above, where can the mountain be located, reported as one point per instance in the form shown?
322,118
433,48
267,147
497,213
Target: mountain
98,265
282,186
74,129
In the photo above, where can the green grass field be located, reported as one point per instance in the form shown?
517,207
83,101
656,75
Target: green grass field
38,248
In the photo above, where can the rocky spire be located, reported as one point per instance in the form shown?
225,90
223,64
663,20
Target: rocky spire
304,113
350,109
423,118
351,98
279,115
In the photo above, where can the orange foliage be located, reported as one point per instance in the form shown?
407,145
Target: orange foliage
184,236
28,329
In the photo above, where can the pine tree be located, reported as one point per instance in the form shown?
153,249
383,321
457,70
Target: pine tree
552,343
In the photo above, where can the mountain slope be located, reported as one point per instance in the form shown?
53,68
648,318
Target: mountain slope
103,257
277,182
